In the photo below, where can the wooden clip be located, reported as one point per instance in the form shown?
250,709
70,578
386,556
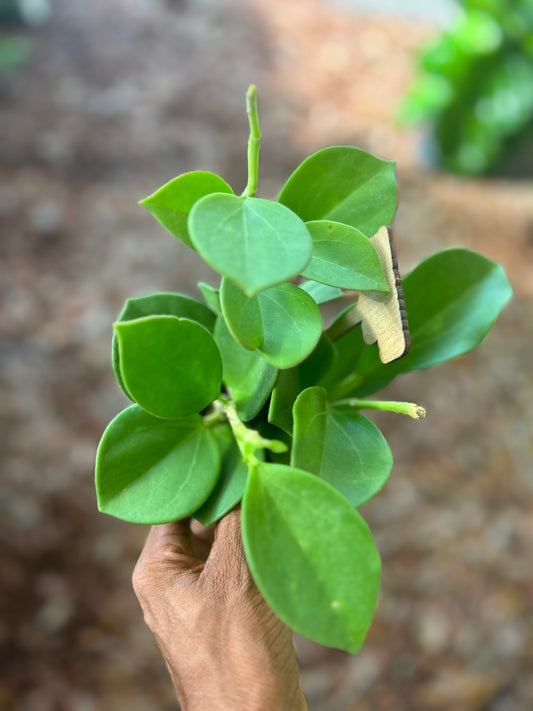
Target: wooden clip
382,315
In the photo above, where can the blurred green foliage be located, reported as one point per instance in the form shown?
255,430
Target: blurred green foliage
475,88
15,52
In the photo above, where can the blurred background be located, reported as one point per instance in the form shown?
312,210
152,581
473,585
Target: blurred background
104,101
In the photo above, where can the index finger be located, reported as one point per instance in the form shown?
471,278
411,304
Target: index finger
168,542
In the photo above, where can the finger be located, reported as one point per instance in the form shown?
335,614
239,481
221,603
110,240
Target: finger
169,542
228,538
227,559
203,533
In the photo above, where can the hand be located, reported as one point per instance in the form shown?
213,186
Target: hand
224,647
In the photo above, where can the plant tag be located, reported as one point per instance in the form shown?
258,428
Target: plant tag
382,315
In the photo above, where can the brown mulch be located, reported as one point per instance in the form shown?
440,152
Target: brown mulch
117,98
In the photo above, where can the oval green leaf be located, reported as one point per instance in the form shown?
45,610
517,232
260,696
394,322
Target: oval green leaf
342,447
317,366
452,299
320,293
291,382
291,325
170,366
248,376
211,297
160,304
171,204
242,315
348,343
343,257
231,482
345,184
254,242
311,555
150,470
283,397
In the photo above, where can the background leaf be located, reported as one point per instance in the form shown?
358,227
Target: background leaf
292,381
150,470
311,555
344,184
256,243
171,204
160,304
231,481
242,315
452,299
170,366
211,297
343,257
291,325
316,367
283,397
246,373
320,293
340,446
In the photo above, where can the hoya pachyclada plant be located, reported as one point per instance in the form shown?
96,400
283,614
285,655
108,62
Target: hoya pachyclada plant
244,395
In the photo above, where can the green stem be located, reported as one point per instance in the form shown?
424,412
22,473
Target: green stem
404,408
217,414
249,440
254,141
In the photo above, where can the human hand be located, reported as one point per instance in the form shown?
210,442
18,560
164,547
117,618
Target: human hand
224,647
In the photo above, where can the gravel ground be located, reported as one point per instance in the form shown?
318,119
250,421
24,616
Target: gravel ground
118,97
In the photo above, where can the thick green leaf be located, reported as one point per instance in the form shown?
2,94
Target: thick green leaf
291,325
150,470
321,293
256,243
292,381
344,184
311,555
231,482
452,299
248,376
171,204
343,257
283,397
316,367
170,366
310,418
348,345
160,304
242,315
342,447
283,321
211,297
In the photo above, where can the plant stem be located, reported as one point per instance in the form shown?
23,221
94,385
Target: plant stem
217,414
404,408
249,440
254,141
239,429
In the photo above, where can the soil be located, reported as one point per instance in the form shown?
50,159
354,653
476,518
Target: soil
117,98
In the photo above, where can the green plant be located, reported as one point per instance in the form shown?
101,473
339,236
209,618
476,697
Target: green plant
245,396
474,85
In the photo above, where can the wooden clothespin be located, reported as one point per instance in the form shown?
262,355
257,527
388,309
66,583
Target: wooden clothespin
382,315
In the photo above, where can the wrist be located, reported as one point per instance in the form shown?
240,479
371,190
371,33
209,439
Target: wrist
244,702
212,689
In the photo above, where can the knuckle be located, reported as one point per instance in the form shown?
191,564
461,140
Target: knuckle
171,553
139,580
